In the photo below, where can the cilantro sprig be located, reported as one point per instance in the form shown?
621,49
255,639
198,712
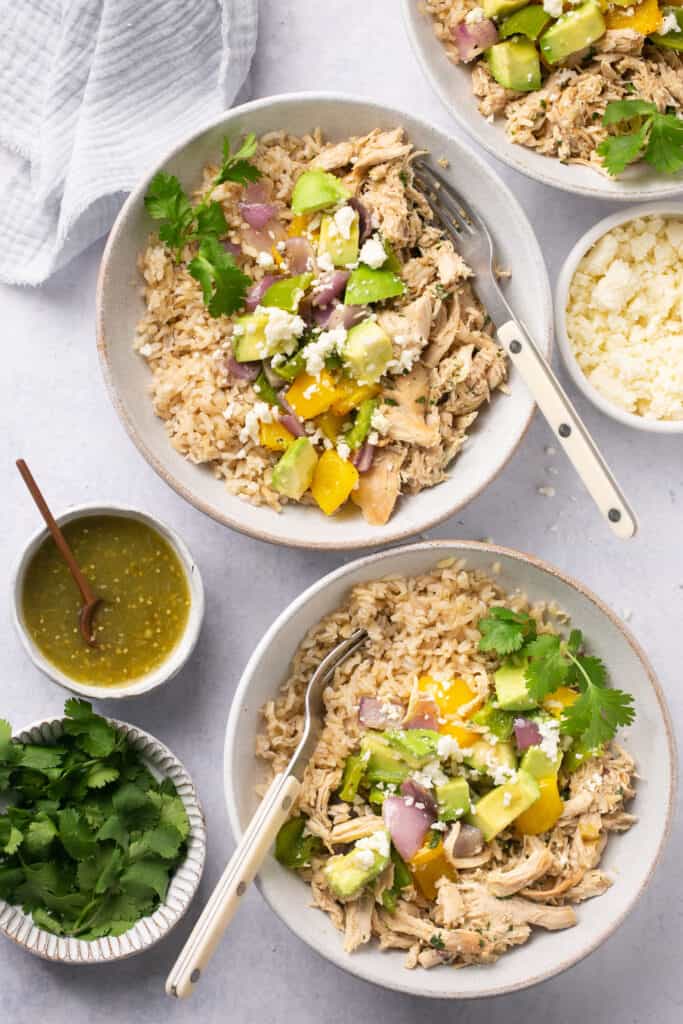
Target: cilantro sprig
653,136
90,840
550,662
180,223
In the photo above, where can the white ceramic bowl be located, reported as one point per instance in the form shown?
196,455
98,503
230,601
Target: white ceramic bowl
500,427
146,932
632,857
666,209
452,83
176,658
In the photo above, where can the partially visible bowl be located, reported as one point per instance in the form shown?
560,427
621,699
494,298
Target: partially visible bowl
146,932
494,437
586,242
453,86
177,657
632,856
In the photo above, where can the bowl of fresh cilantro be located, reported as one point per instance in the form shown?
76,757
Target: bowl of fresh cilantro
102,837
496,765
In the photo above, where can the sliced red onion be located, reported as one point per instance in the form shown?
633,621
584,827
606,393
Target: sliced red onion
348,316
257,215
364,219
330,288
299,255
425,715
257,291
264,239
379,714
322,315
419,795
290,420
257,192
469,841
363,457
233,248
408,825
472,39
273,378
243,371
527,733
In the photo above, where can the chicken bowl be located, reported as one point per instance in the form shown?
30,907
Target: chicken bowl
293,341
495,766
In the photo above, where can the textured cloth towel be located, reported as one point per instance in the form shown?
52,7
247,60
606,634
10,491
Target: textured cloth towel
93,92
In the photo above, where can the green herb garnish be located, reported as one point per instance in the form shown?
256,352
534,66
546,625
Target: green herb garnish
436,941
90,840
505,631
656,137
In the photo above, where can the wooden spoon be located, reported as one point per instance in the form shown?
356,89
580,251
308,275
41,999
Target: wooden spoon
90,600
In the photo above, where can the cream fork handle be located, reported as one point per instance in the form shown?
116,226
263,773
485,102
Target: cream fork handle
224,901
568,428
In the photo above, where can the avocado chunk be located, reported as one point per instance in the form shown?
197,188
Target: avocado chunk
488,757
497,721
672,40
249,341
573,31
332,242
349,873
383,764
578,754
287,293
366,285
515,64
537,763
315,190
498,8
511,688
367,351
529,22
499,808
293,472
415,746
453,799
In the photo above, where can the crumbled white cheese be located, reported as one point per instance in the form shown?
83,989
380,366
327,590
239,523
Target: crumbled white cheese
448,746
343,450
378,842
373,253
475,15
325,261
342,222
553,8
669,24
500,773
364,858
264,259
625,317
281,326
317,351
549,729
431,775
260,412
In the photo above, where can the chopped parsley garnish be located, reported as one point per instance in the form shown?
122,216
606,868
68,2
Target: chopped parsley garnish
436,941
89,839
655,137
223,284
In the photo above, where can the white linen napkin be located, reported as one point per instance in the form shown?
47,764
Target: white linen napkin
92,92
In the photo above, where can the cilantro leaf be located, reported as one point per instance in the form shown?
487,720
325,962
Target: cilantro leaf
6,745
625,110
164,840
40,759
10,836
548,665
43,919
101,775
665,147
94,734
224,286
599,711
211,220
237,166
146,875
656,137
39,836
166,201
76,837
505,631
113,828
617,151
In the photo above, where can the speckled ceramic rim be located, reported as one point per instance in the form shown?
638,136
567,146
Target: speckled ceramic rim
664,209
19,927
507,151
177,657
446,549
241,524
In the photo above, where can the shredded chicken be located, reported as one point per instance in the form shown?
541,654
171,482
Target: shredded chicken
535,865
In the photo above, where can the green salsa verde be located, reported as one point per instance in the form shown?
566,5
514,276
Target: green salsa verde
145,600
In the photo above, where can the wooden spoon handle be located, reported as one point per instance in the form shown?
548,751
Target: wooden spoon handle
80,579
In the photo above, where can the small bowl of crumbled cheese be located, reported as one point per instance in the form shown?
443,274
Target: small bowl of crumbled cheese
619,312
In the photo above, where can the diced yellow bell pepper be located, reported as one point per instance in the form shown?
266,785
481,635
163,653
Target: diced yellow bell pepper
543,814
298,225
589,831
333,481
350,394
427,866
645,19
450,697
331,424
311,396
558,700
275,437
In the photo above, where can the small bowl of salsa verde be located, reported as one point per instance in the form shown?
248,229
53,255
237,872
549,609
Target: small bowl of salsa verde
152,606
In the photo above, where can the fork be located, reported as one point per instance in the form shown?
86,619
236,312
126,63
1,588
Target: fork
470,235
272,812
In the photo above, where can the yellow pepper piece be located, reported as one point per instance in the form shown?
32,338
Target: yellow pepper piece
558,700
350,394
427,866
331,424
311,396
333,481
298,225
450,697
646,18
542,814
275,436
589,831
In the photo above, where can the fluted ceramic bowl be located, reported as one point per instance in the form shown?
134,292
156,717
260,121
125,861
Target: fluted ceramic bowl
146,932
